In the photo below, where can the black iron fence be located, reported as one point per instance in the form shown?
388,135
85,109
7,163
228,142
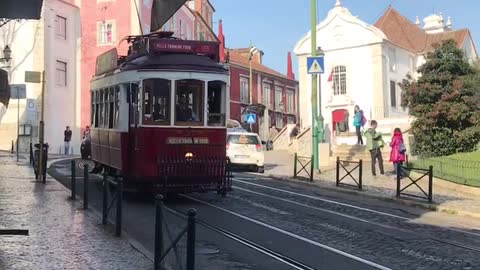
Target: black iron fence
174,247
306,166
344,166
111,198
405,173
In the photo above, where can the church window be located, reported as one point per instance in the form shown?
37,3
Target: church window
393,60
393,94
339,80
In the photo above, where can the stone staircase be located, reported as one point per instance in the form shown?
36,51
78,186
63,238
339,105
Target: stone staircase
356,152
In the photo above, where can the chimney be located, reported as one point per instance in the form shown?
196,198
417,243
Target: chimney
221,37
290,73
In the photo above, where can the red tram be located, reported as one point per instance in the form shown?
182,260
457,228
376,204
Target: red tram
159,115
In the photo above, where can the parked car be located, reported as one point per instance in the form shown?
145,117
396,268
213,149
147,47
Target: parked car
245,149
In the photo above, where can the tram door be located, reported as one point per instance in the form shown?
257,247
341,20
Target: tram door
133,94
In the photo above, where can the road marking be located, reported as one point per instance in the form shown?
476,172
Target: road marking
345,254
360,219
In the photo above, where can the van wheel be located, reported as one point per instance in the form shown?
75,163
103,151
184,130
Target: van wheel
260,169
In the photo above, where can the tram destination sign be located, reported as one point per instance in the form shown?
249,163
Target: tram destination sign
209,49
187,140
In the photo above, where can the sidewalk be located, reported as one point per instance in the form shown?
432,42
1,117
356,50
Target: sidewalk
61,234
447,196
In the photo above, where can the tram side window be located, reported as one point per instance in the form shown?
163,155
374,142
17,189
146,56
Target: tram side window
189,102
156,101
116,122
216,103
111,108
92,109
132,98
96,110
101,114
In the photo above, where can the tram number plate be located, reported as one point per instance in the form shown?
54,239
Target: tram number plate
187,140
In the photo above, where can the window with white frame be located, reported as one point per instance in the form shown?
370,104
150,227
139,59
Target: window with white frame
266,96
339,80
105,32
393,94
290,108
61,27
278,99
279,120
393,59
244,90
61,73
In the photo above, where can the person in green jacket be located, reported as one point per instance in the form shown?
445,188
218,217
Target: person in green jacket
375,144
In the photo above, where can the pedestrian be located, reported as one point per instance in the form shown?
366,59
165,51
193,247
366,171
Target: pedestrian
85,148
67,137
397,154
359,121
375,144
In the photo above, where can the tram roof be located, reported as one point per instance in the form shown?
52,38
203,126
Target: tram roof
177,62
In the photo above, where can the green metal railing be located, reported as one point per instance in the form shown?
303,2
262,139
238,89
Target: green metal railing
465,172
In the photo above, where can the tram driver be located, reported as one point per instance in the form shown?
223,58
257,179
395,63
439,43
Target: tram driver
184,112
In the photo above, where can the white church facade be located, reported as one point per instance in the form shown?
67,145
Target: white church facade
364,64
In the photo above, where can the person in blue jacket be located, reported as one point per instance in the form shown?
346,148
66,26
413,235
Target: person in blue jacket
359,121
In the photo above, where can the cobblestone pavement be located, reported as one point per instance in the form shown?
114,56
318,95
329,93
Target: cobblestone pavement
61,235
446,197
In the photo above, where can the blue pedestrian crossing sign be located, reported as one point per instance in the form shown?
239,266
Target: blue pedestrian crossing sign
315,65
251,118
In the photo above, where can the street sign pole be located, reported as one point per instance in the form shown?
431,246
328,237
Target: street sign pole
41,129
313,13
18,118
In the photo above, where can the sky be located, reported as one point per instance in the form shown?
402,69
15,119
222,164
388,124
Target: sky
275,26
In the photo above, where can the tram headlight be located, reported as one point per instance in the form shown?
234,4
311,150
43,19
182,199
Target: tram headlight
189,155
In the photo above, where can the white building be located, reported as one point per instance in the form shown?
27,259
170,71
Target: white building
50,44
364,64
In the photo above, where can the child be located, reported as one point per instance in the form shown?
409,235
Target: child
358,122
397,154
374,145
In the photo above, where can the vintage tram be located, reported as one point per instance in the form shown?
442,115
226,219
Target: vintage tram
158,115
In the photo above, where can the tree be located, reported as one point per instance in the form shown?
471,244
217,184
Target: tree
445,101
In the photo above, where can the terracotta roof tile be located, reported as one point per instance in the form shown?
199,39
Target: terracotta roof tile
237,58
405,34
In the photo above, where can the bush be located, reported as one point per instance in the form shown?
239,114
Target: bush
446,103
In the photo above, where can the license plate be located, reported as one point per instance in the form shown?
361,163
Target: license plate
241,156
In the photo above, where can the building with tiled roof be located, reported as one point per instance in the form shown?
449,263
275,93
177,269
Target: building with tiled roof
364,64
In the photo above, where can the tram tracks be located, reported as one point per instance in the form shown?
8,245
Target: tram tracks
295,264
390,227
286,259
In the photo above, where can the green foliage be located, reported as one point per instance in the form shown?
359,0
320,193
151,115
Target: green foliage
446,103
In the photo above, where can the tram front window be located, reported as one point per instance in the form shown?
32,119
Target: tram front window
156,102
216,103
189,102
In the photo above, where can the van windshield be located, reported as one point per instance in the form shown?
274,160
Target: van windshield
243,139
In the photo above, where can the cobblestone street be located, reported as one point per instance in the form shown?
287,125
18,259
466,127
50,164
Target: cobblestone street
61,234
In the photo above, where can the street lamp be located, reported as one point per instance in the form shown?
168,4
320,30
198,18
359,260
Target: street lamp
252,50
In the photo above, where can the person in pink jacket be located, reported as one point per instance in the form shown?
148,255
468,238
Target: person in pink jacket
397,154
